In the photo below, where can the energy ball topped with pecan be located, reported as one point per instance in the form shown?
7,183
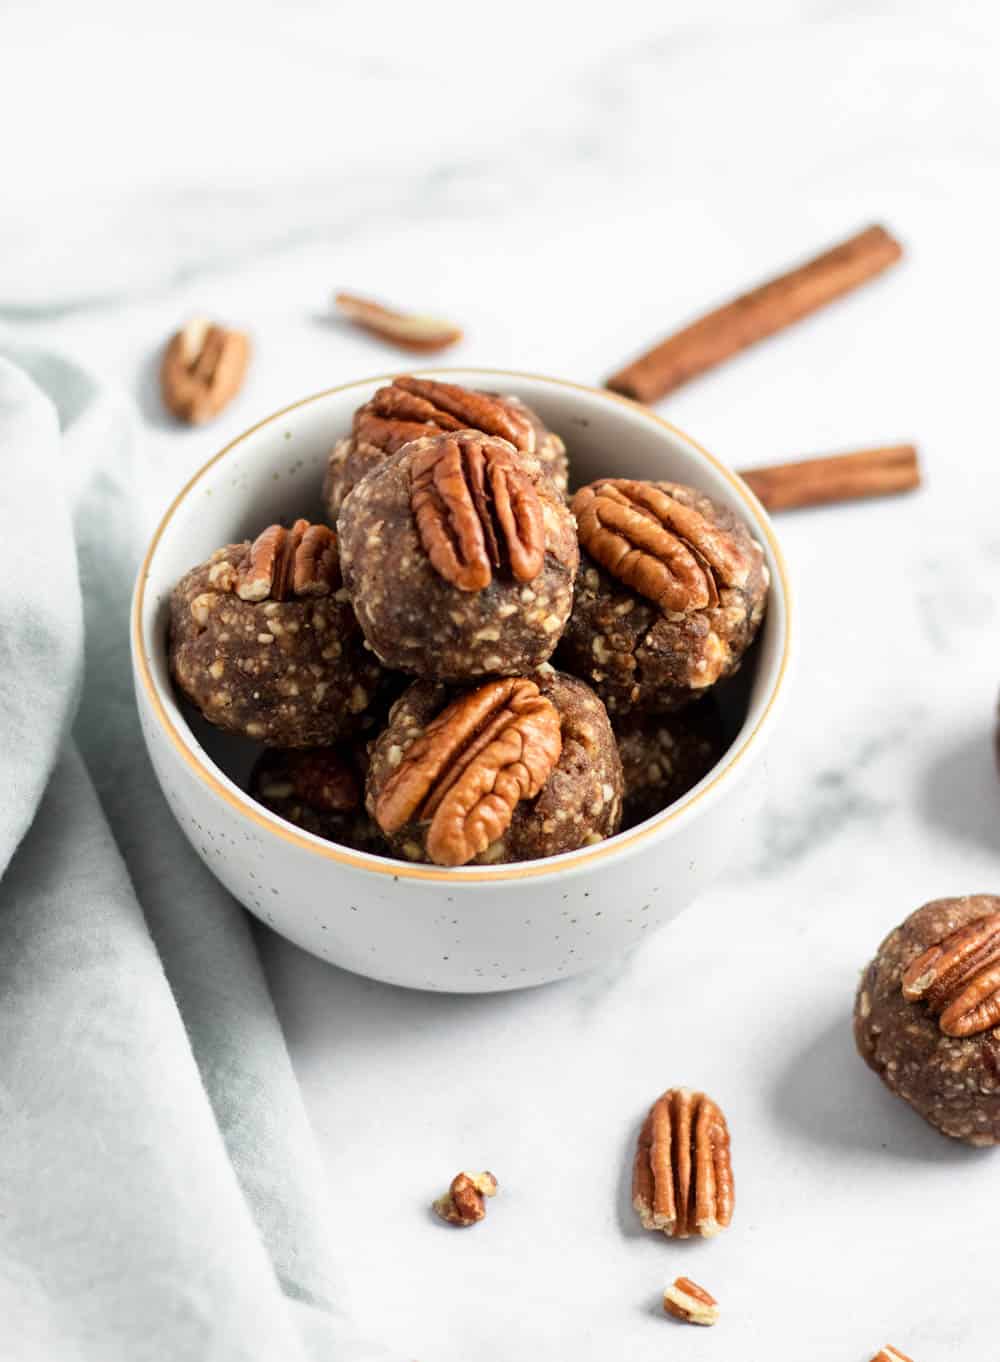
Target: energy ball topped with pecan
264,641
459,556
670,594
319,789
411,408
512,770
665,755
927,1015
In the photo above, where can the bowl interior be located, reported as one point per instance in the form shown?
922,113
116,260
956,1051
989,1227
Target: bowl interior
274,472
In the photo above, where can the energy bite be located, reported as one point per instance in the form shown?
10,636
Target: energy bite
511,770
411,408
927,1015
664,755
459,556
669,595
319,789
263,640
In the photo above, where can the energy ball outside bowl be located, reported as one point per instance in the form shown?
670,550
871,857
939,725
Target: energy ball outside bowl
459,556
927,1015
513,769
665,755
411,408
319,789
670,593
263,640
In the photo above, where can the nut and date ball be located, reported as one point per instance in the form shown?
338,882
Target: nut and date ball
459,556
512,770
263,640
670,594
411,408
927,1015
665,755
319,789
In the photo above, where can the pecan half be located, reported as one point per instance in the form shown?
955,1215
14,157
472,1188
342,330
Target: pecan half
477,510
682,1179
486,751
409,330
202,370
688,1301
959,978
302,561
465,1200
664,550
412,407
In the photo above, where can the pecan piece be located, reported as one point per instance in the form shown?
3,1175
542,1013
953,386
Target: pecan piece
412,407
409,330
688,1301
486,751
959,978
302,561
477,510
682,1179
890,1354
202,370
662,549
465,1200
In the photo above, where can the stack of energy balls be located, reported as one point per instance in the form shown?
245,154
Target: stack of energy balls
471,668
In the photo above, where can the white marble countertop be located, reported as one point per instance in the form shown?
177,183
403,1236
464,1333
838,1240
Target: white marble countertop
568,188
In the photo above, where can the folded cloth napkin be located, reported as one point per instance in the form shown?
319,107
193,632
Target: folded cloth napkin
161,1198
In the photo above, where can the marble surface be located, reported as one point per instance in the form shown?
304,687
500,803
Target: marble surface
568,193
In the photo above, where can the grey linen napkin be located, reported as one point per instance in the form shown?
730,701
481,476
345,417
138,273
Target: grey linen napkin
160,1193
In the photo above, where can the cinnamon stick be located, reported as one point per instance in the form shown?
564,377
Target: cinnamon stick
756,315
837,477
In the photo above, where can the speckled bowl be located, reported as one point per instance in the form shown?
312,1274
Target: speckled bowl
472,929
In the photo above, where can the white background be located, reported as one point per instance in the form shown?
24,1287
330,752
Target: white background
570,182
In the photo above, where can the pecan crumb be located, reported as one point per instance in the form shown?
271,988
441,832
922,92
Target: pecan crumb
689,1302
465,1200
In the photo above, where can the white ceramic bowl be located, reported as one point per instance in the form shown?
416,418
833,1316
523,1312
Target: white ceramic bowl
472,929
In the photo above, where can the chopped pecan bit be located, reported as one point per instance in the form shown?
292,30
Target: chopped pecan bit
409,330
488,749
323,779
465,1200
280,563
889,1354
682,1179
959,978
656,545
411,407
477,510
202,370
688,1301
